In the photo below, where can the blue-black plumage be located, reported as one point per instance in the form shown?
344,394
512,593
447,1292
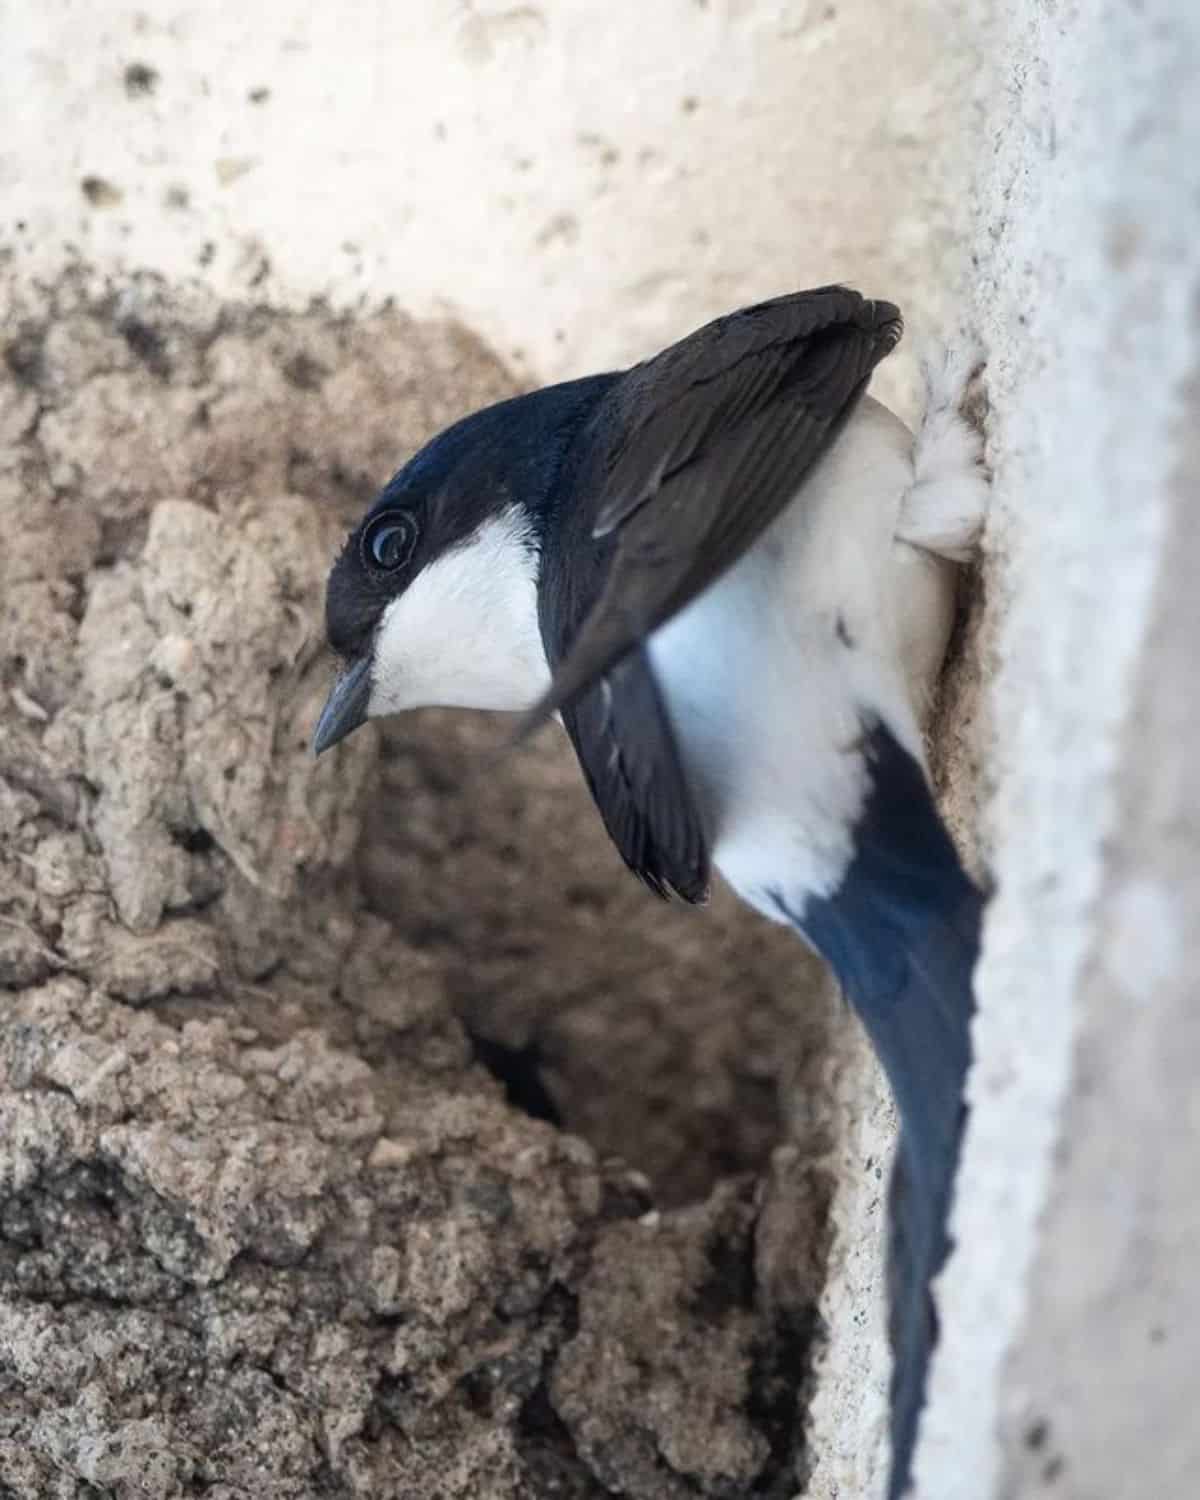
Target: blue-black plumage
901,932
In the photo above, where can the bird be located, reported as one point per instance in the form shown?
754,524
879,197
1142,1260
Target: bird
730,574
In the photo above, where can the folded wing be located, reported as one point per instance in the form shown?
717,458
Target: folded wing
697,452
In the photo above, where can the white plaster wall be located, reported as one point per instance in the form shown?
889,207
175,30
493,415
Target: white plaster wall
579,181
1088,294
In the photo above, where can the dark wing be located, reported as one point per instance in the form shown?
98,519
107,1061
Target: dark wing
700,448
631,764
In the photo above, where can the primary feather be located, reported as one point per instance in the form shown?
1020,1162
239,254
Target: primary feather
694,453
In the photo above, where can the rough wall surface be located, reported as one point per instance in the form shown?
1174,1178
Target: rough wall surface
1068,1314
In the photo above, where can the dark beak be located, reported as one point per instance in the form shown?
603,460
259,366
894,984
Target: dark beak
346,707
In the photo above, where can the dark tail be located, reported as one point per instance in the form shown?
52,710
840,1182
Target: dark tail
902,934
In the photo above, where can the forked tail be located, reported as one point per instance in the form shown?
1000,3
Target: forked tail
901,933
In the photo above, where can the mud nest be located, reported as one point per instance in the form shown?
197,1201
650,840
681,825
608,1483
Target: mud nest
364,1130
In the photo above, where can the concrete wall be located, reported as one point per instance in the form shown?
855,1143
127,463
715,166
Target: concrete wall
578,183
1070,1311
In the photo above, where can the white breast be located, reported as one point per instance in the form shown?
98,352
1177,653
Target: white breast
768,674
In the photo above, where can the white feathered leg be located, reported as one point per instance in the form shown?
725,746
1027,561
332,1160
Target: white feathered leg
945,510
940,520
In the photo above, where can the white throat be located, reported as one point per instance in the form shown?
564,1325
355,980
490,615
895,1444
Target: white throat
464,634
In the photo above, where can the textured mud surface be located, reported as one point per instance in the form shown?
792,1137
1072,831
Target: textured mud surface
275,1218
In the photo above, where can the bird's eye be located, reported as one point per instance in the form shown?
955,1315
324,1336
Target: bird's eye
390,540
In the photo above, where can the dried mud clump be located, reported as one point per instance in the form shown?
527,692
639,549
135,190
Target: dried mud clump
275,1217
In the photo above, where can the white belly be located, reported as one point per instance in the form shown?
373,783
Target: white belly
767,676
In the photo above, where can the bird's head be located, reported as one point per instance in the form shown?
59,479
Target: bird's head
434,598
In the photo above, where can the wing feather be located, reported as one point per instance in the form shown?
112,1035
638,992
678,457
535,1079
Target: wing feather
630,761
707,444
687,460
